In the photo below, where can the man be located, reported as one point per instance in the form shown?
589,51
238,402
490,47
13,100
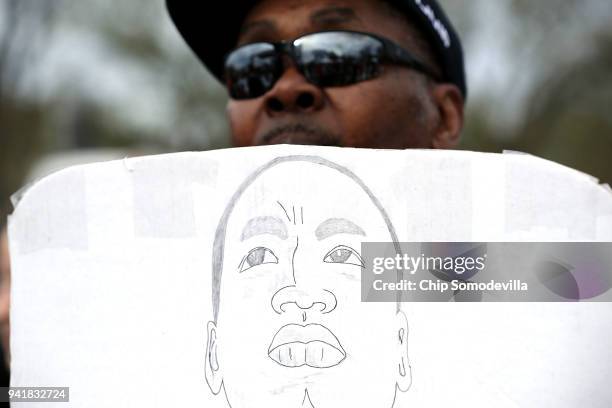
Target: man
289,328
399,83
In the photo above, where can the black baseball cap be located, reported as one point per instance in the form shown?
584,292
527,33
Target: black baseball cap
212,31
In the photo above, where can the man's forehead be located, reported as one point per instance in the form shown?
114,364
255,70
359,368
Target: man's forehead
270,9
273,20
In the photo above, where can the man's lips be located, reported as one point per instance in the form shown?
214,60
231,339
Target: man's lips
313,345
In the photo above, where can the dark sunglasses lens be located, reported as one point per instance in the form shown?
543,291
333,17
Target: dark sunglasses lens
339,58
251,70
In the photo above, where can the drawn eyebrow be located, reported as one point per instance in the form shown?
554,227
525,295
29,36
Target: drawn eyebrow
333,226
264,225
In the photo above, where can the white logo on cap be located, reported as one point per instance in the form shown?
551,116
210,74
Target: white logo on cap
437,25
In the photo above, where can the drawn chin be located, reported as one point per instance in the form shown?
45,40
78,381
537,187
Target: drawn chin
316,354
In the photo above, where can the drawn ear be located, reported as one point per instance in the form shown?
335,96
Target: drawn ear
404,371
213,371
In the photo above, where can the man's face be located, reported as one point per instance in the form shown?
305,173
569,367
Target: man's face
292,329
398,109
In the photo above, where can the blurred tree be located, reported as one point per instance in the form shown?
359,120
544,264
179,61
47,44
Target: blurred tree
562,50
569,117
22,122
173,103
98,73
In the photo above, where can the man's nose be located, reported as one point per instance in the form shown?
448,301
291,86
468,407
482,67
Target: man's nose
300,299
292,93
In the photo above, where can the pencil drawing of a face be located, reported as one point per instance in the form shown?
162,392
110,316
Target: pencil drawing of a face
290,329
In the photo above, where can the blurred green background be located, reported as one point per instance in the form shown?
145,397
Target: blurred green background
80,76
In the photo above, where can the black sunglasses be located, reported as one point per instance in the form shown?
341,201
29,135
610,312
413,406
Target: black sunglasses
326,59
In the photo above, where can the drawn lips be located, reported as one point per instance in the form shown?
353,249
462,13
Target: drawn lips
313,345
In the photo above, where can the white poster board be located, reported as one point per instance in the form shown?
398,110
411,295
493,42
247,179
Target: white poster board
114,283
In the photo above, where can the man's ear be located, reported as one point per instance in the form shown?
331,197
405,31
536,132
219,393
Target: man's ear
404,372
448,99
213,371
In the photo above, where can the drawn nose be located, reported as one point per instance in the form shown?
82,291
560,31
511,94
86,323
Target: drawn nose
293,298
306,294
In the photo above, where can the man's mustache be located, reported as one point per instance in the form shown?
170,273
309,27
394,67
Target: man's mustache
300,133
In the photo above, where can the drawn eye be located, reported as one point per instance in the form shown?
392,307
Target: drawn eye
344,255
257,256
